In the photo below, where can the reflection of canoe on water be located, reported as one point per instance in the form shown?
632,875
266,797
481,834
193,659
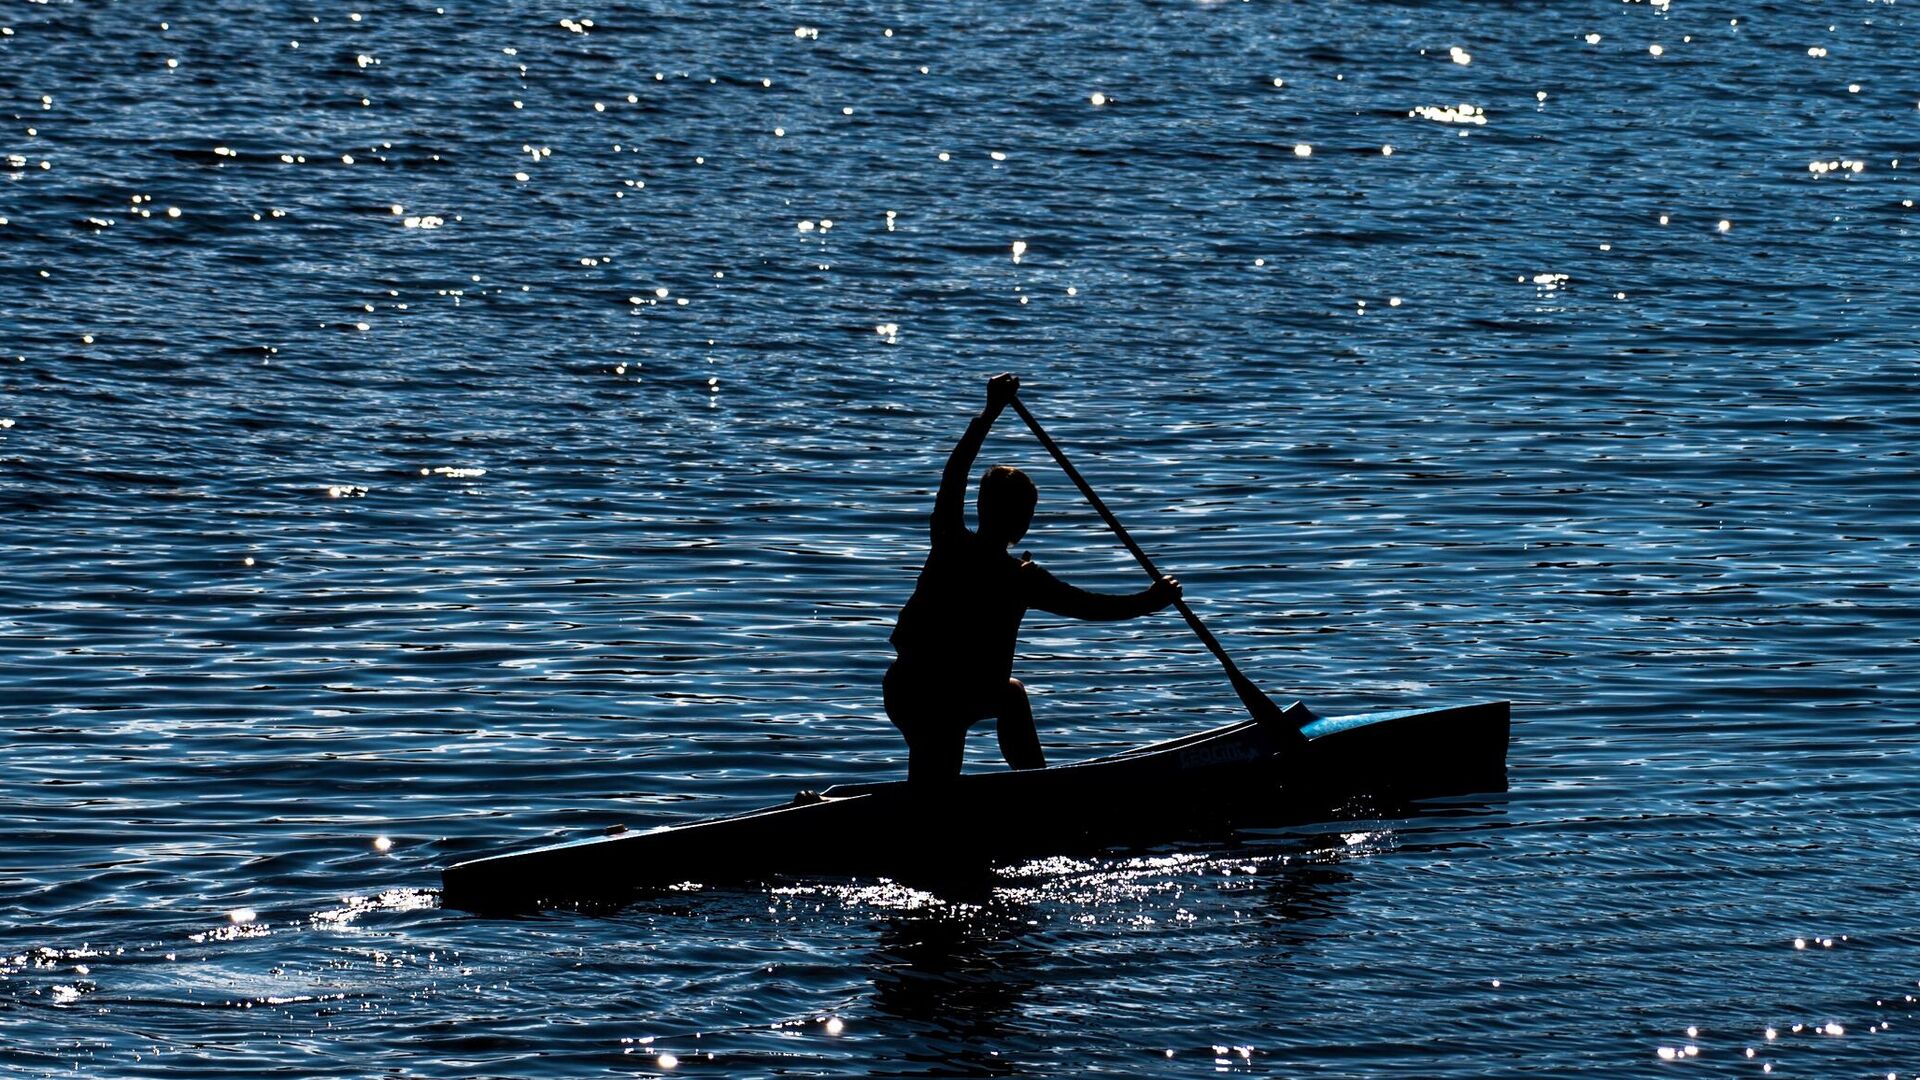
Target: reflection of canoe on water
1223,776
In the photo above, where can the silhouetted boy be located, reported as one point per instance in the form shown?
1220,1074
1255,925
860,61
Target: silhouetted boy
955,637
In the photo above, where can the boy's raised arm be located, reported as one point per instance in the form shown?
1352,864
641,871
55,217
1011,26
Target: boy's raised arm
949,506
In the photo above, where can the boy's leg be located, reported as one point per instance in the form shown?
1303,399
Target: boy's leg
934,757
1019,742
935,743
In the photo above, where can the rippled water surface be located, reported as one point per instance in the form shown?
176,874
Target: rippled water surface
426,431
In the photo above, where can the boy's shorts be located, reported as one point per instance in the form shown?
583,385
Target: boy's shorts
923,703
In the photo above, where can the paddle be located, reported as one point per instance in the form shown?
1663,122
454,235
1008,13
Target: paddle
1262,707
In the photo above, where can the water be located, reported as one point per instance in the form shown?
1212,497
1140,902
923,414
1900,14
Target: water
553,463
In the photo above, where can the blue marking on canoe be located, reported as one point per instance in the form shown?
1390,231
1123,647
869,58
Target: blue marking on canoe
1335,724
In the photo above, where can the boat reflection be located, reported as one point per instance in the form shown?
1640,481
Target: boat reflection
1309,882
957,975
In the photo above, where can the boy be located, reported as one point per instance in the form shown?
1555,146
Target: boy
955,637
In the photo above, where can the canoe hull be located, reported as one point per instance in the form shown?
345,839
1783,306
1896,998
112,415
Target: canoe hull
1231,775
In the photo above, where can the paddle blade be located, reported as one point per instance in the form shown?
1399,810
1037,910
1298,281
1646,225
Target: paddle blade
1284,723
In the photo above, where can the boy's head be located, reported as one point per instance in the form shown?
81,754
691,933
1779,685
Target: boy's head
1005,506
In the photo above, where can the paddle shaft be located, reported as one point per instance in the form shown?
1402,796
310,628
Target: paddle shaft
1257,703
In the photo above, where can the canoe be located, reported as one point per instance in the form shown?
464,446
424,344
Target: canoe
1236,774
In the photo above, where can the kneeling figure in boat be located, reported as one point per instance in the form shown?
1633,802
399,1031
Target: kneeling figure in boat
955,637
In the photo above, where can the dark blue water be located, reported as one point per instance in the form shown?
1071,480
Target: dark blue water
499,443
